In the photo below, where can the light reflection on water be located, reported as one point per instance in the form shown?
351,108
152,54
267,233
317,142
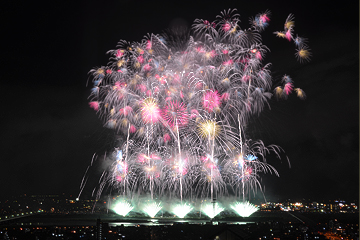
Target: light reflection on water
155,222
152,222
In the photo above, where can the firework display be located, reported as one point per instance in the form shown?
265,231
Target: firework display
182,100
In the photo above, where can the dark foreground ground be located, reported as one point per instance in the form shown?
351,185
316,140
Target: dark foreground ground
261,225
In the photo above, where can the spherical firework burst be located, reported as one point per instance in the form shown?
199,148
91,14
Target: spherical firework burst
150,110
208,129
175,114
211,101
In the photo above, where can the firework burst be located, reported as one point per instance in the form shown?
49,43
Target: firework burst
209,129
175,114
150,110
182,100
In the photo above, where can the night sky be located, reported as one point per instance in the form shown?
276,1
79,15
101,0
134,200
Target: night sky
49,134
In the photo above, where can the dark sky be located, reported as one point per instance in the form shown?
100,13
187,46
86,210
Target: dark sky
49,134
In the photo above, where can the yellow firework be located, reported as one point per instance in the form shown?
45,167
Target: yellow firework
278,92
303,54
289,24
280,34
300,93
100,71
120,62
208,129
150,110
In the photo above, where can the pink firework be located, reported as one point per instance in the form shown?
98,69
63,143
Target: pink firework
288,88
175,113
194,113
245,78
166,137
248,172
198,85
94,105
125,111
212,53
132,129
211,166
288,35
147,67
258,55
155,157
204,159
264,18
142,158
228,63
225,96
119,53
119,85
211,100
226,27
200,50
150,111
140,59
148,45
